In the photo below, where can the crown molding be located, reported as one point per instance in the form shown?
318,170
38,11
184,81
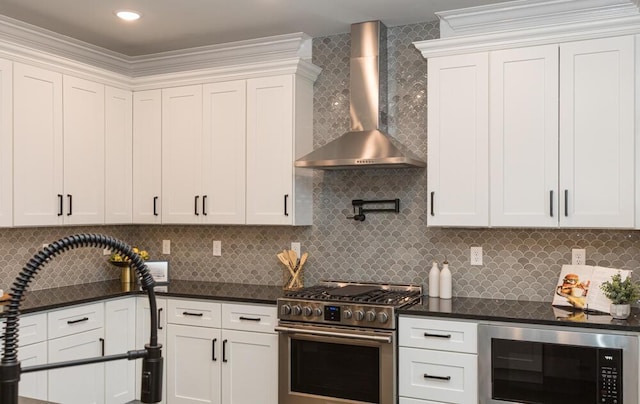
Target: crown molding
524,14
529,37
27,43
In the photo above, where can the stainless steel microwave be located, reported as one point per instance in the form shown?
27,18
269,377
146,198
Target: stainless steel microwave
556,365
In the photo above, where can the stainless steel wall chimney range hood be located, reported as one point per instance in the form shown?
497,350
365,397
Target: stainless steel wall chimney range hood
366,145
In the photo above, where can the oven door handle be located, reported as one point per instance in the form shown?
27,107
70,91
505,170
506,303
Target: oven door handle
378,338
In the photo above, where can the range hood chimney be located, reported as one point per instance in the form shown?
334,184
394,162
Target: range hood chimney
366,145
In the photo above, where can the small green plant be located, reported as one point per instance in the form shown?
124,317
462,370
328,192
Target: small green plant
619,291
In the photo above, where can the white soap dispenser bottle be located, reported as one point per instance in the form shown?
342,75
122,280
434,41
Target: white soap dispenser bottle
434,280
445,281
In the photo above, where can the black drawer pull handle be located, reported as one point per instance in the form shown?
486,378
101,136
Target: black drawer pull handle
186,313
102,346
427,376
155,206
447,336
60,213
204,205
224,350
195,206
551,203
566,202
213,349
159,322
78,320
286,196
256,319
432,211
70,197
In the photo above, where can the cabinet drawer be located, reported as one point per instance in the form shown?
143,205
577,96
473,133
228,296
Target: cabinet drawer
33,329
438,376
193,312
248,317
456,336
75,319
405,400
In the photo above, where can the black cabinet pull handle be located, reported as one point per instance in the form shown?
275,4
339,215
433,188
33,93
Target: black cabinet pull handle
447,336
256,319
204,205
195,205
566,202
224,350
102,346
80,320
186,313
159,322
60,213
155,206
432,211
551,203
286,196
70,197
213,349
428,376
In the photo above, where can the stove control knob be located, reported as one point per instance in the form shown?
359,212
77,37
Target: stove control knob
371,315
306,311
285,310
347,314
359,315
383,317
296,310
317,311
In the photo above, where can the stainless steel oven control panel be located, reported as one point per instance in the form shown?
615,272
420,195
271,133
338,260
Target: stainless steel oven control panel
349,314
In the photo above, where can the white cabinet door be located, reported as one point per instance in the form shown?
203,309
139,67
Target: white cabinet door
118,156
224,127
250,368
6,143
143,326
270,150
523,119
83,119
458,144
193,356
37,143
120,337
147,156
79,384
33,385
597,133
182,154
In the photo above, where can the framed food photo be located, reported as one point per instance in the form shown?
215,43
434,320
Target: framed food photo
159,270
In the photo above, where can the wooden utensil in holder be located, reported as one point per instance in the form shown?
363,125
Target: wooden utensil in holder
292,274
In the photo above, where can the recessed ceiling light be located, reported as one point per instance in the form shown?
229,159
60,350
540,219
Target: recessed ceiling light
128,15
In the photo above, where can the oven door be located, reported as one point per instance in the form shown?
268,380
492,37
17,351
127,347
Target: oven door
325,364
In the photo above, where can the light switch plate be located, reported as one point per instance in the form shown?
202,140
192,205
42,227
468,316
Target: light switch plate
217,248
166,247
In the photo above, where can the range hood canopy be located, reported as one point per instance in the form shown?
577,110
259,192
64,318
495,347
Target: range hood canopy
366,145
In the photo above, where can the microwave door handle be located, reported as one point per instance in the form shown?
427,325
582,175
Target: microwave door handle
377,338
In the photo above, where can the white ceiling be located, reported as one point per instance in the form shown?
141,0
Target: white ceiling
179,24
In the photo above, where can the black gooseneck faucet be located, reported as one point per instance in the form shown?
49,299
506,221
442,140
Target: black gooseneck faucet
10,369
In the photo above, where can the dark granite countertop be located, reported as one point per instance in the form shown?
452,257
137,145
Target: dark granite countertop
519,312
47,299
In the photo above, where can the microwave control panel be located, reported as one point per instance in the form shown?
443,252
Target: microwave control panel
610,376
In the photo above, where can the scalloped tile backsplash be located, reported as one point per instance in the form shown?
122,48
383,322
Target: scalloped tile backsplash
518,263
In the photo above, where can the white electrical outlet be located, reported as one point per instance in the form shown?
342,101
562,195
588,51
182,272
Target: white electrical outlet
578,256
45,245
166,247
106,251
295,246
217,248
476,256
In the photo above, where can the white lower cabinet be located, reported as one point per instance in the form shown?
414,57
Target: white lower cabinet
438,361
143,327
210,364
120,337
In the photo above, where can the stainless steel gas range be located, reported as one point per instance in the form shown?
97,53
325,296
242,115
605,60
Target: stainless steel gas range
338,342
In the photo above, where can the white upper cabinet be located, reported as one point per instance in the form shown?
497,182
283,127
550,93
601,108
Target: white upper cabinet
597,116
224,144
182,154
118,156
84,124
147,156
6,143
37,147
458,160
523,119
279,129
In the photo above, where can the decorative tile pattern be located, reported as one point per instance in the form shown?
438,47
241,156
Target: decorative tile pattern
519,264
